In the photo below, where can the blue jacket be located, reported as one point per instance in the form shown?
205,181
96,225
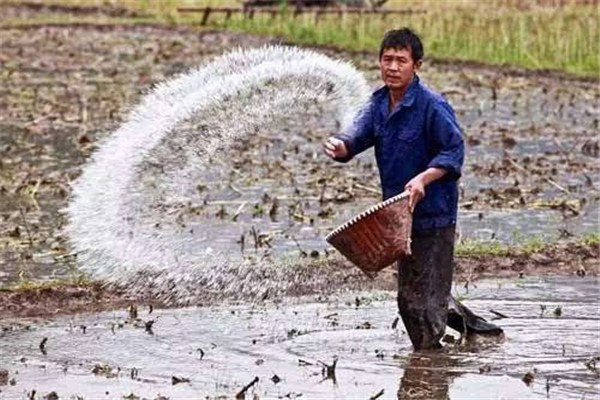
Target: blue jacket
421,132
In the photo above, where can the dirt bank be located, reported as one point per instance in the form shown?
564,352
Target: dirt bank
321,276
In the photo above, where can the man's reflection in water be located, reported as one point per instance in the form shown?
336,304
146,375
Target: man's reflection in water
426,376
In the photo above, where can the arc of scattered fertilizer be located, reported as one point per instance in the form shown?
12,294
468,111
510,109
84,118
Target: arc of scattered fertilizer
144,169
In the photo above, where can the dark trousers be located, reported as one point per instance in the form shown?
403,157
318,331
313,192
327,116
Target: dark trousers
424,283
424,299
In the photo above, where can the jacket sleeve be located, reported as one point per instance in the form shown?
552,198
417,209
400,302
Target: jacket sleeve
447,140
360,136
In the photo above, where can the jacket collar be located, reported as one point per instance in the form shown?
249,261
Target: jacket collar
411,93
407,100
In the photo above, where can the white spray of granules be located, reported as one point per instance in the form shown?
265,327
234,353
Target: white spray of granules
125,214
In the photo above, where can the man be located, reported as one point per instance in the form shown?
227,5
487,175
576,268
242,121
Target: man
419,148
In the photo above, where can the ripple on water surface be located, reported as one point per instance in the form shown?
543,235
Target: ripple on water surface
221,349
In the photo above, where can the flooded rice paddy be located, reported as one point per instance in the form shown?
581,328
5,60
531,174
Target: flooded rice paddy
532,171
550,350
531,165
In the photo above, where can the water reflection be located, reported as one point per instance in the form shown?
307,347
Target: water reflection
287,344
427,375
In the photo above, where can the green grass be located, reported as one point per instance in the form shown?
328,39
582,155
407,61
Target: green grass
499,32
525,246
591,239
564,39
23,284
477,248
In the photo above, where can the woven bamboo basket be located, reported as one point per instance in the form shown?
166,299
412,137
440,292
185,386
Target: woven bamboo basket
376,238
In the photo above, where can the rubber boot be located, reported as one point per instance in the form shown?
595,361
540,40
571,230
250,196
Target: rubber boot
461,319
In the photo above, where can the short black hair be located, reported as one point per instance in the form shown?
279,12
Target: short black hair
403,38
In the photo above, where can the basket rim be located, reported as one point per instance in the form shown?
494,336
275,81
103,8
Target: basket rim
365,213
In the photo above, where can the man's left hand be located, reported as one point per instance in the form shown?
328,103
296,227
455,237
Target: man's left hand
416,186
416,189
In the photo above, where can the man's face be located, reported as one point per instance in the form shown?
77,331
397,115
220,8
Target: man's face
397,68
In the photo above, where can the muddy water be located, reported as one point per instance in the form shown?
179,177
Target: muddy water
298,225
221,349
66,88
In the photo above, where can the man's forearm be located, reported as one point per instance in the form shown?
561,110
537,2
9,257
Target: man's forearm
431,175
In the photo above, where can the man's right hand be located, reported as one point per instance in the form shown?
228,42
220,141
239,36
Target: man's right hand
335,148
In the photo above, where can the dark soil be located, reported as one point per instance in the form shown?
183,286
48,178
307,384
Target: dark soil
60,299
532,140
562,259
23,9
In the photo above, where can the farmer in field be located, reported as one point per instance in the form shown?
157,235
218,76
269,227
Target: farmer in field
419,148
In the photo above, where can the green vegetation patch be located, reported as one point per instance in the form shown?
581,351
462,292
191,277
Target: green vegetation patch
30,285
526,247
564,39
534,36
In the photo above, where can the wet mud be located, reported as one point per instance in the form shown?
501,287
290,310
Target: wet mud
311,276
32,9
344,346
531,170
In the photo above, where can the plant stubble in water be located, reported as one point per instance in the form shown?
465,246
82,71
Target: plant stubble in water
130,209
217,351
